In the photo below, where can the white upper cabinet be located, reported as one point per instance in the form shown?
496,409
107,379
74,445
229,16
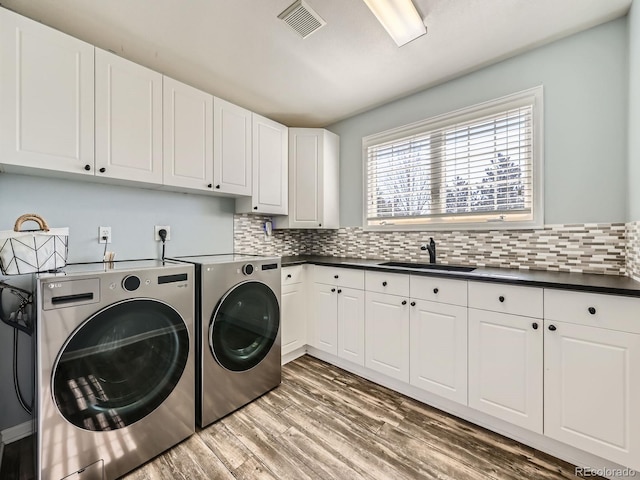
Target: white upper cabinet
46,97
128,120
313,180
270,171
188,136
232,148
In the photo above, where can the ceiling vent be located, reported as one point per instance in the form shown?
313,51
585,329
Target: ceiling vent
302,18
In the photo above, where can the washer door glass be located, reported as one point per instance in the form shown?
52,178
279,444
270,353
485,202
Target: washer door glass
120,365
244,326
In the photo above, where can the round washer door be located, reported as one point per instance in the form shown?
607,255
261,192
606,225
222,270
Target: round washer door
120,364
244,326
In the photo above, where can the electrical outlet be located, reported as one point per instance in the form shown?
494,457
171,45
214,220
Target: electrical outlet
160,227
104,232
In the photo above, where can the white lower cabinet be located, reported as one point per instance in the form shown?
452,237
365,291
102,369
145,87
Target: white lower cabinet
592,390
293,325
438,347
505,367
351,325
387,334
337,324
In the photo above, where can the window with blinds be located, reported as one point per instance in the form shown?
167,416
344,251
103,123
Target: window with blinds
479,166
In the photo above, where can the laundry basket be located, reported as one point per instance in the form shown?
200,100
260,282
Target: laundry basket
30,251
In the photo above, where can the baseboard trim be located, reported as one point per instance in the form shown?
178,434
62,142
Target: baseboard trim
291,356
18,432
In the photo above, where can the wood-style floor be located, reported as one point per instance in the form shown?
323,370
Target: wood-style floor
325,423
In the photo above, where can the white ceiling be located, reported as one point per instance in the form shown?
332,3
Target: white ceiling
239,50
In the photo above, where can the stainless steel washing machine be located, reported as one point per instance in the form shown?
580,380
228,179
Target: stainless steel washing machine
238,312
115,366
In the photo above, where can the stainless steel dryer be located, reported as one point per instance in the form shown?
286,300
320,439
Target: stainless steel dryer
238,312
115,366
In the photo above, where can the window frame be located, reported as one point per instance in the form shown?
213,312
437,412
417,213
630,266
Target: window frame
533,96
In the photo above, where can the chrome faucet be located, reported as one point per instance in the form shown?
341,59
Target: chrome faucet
431,248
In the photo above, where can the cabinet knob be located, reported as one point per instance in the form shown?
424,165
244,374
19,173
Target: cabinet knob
288,275
339,291
413,304
319,224
102,170
535,325
87,167
333,289
384,284
552,328
592,310
501,298
336,276
435,290
255,208
404,302
217,186
210,185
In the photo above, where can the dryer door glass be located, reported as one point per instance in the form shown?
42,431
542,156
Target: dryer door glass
244,326
120,364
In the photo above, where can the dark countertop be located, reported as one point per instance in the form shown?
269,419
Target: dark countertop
585,282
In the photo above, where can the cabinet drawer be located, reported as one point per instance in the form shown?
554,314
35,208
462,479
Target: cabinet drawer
391,283
593,309
292,275
345,277
441,290
497,297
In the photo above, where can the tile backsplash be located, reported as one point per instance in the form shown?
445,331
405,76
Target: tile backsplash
633,250
584,248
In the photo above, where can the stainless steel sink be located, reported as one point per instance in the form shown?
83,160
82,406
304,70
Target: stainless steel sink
428,266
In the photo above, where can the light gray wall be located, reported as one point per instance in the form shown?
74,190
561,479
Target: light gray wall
585,122
634,113
199,225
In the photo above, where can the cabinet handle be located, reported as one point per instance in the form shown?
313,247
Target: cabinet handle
535,325
552,328
210,185
339,291
592,310
102,170
288,275
255,208
413,304
384,284
336,276
501,298
404,302
87,167
333,289
435,290
217,186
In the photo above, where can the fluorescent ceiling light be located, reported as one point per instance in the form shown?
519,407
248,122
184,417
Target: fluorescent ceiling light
400,18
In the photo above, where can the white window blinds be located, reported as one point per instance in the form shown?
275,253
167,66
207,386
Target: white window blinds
470,167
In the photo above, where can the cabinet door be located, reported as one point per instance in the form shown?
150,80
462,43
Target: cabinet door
294,321
46,97
188,136
351,325
232,148
270,167
592,390
505,367
305,188
323,328
439,349
128,120
387,335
